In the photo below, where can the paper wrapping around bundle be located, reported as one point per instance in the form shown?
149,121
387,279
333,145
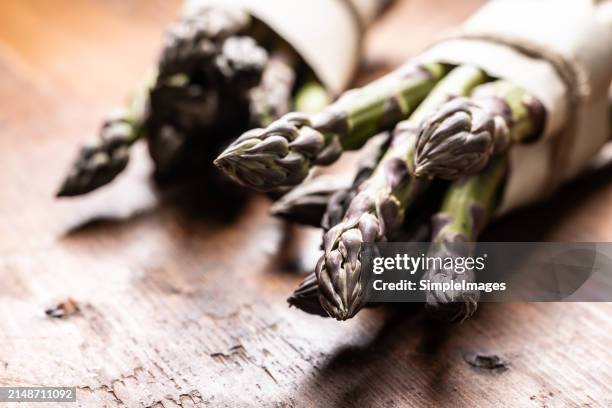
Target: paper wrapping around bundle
325,33
578,30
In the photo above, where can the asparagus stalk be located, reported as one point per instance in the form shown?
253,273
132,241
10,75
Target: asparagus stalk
339,201
462,137
99,163
417,229
378,209
323,196
325,205
282,154
465,211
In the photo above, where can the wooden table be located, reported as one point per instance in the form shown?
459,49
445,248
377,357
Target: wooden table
179,306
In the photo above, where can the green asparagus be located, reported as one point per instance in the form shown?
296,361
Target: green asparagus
99,163
462,137
465,211
282,154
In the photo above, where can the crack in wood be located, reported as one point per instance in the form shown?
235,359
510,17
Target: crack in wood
104,388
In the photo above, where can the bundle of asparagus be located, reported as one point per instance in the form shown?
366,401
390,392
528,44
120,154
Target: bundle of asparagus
482,110
223,69
206,55
464,132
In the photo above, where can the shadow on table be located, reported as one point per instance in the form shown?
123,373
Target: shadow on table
411,341
212,202
407,340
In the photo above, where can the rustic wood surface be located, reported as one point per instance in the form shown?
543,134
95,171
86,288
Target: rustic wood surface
182,302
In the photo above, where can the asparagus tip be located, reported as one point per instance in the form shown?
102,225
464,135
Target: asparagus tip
306,297
65,190
95,167
231,166
458,140
75,185
83,181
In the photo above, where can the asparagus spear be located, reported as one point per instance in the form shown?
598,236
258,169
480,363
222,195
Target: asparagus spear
467,206
416,229
281,154
325,205
323,196
378,209
462,137
100,162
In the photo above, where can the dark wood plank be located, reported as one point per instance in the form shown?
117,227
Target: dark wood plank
187,308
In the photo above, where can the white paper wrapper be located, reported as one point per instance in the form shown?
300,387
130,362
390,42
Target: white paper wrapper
503,38
326,33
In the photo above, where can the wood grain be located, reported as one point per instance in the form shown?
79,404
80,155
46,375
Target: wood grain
182,298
